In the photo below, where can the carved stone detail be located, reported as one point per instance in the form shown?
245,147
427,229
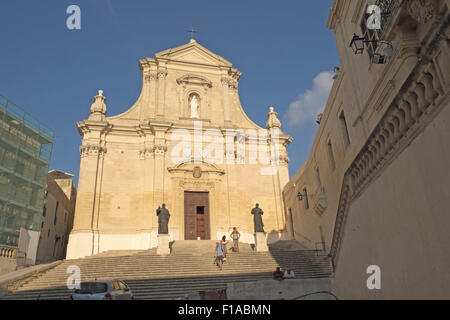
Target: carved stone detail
421,10
92,150
162,74
146,153
159,149
151,76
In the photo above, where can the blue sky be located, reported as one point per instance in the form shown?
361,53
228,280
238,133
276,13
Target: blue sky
283,48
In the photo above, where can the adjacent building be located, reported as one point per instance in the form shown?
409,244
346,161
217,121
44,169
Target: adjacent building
375,190
57,216
25,152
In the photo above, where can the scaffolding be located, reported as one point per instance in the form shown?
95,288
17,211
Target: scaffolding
25,153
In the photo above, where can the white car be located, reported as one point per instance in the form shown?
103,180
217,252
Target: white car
102,290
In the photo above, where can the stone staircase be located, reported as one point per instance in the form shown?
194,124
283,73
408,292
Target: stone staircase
187,270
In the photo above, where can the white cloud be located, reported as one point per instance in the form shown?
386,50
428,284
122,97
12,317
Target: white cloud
312,102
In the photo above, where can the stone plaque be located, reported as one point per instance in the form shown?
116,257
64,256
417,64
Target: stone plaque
197,172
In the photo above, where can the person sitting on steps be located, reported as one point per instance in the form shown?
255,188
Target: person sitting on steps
289,274
278,274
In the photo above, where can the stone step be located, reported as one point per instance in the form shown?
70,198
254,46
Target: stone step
140,275
188,269
49,284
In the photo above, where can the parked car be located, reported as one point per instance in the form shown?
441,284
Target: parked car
102,290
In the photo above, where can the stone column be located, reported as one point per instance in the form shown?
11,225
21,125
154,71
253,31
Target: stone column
162,74
226,101
279,161
146,206
159,150
83,238
147,99
147,105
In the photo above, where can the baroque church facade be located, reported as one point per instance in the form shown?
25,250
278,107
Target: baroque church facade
187,143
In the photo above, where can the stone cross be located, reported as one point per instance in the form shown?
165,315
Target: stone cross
192,31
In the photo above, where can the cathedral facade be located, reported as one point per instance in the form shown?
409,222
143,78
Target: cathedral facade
187,143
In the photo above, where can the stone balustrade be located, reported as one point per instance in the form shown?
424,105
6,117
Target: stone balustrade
8,252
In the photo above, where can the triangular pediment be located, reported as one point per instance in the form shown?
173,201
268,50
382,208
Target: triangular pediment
193,52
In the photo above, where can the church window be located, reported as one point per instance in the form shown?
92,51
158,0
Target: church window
56,212
319,182
344,129
331,156
305,198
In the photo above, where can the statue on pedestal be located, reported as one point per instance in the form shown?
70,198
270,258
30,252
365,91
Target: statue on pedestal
163,219
257,218
194,107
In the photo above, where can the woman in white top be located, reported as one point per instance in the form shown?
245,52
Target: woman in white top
235,235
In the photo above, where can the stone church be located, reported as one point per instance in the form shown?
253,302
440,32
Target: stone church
186,142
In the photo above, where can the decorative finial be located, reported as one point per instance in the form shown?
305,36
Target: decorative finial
272,121
98,108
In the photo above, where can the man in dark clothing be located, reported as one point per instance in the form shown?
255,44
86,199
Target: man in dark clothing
257,218
163,219
278,274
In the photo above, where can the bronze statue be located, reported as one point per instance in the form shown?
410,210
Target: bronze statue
257,218
163,219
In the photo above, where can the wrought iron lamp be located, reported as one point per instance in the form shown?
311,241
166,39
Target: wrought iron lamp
357,45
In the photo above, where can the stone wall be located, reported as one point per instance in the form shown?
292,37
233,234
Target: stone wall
382,195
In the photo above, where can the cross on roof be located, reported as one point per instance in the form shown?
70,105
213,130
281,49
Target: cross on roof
192,31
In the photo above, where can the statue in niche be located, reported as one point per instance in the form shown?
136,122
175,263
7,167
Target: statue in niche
194,107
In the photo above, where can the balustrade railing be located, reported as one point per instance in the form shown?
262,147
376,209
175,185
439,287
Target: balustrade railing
8,252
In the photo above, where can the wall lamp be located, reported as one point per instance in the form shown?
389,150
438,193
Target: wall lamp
357,45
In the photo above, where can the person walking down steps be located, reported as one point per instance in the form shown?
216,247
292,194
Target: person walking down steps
219,255
224,248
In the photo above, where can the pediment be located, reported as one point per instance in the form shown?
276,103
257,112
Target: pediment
193,53
194,79
197,168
